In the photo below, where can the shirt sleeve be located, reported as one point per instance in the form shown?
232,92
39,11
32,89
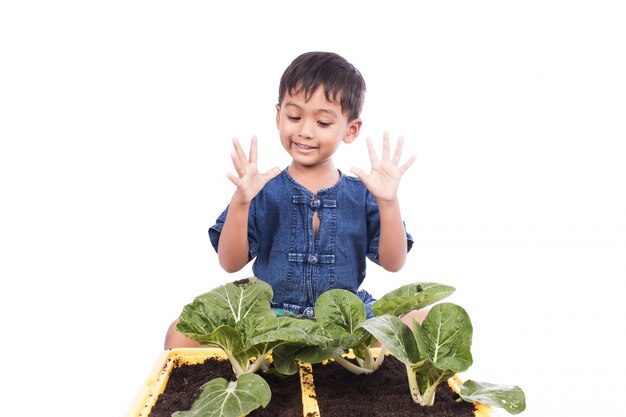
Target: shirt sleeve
216,230
372,217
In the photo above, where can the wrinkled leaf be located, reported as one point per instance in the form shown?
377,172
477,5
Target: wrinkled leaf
286,357
340,313
291,330
296,340
221,398
226,338
446,335
240,305
511,398
411,297
395,336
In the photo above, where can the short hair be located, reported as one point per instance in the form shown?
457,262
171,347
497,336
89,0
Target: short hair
340,80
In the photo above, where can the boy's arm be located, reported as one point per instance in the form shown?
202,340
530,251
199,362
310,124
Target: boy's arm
233,249
392,246
383,183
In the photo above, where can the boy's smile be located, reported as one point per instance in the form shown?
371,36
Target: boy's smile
304,148
312,130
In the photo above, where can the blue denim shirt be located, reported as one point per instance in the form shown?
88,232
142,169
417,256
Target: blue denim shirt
298,265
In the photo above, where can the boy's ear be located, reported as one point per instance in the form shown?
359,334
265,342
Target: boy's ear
278,115
354,127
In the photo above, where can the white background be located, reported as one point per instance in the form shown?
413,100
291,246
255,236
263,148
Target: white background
116,121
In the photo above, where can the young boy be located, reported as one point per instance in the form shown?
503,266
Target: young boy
310,228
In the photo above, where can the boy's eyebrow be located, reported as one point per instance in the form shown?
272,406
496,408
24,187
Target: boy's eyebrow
329,111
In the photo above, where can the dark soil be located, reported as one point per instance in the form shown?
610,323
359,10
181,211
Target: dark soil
183,387
339,393
384,393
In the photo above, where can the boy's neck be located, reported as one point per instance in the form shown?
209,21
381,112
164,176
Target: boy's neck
316,177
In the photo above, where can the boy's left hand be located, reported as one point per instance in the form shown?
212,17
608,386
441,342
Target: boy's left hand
384,179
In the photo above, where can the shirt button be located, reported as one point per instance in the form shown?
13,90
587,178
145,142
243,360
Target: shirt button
315,204
312,259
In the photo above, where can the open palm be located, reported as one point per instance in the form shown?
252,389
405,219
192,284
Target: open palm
384,178
249,180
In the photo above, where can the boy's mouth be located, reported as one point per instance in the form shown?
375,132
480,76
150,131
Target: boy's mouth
304,148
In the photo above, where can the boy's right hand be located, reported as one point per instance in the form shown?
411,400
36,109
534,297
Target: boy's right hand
249,181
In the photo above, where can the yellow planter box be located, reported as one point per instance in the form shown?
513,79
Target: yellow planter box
160,374
158,377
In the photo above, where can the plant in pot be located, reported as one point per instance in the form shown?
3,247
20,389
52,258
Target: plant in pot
237,318
341,313
432,352
435,351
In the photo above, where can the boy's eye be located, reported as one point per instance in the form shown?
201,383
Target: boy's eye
324,124
294,118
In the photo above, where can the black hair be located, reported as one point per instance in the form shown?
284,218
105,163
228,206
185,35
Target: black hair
340,80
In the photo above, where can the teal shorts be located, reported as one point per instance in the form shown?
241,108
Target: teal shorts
280,312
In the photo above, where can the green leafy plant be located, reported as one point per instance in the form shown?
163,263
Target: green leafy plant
340,313
435,351
238,318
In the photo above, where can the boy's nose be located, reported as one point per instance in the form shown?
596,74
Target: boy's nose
305,131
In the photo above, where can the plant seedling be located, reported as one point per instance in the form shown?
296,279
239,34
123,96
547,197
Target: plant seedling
341,313
435,351
238,318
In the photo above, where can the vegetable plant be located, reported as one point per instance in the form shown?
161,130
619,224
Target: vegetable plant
341,313
436,350
238,318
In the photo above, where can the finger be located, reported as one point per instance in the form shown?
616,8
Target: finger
360,174
385,146
237,164
271,173
232,178
253,150
239,150
371,150
398,153
408,164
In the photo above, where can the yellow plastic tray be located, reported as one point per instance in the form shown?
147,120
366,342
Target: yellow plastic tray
160,374
158,377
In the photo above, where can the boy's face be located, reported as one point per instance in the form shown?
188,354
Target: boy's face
311,131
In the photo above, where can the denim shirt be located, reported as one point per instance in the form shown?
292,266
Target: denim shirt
299,265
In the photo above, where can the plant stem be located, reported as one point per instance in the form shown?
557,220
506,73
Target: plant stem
355,369
260,360
414,386
381,357
237,369
430,392
360,362
369,359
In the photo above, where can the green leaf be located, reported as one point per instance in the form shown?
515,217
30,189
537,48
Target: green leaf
221,398
446,335
291,330
286,357
395,336
411,297
241,305
225,337
340,313
509,397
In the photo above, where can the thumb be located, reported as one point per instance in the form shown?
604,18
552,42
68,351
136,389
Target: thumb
359,173
271,173
232,178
